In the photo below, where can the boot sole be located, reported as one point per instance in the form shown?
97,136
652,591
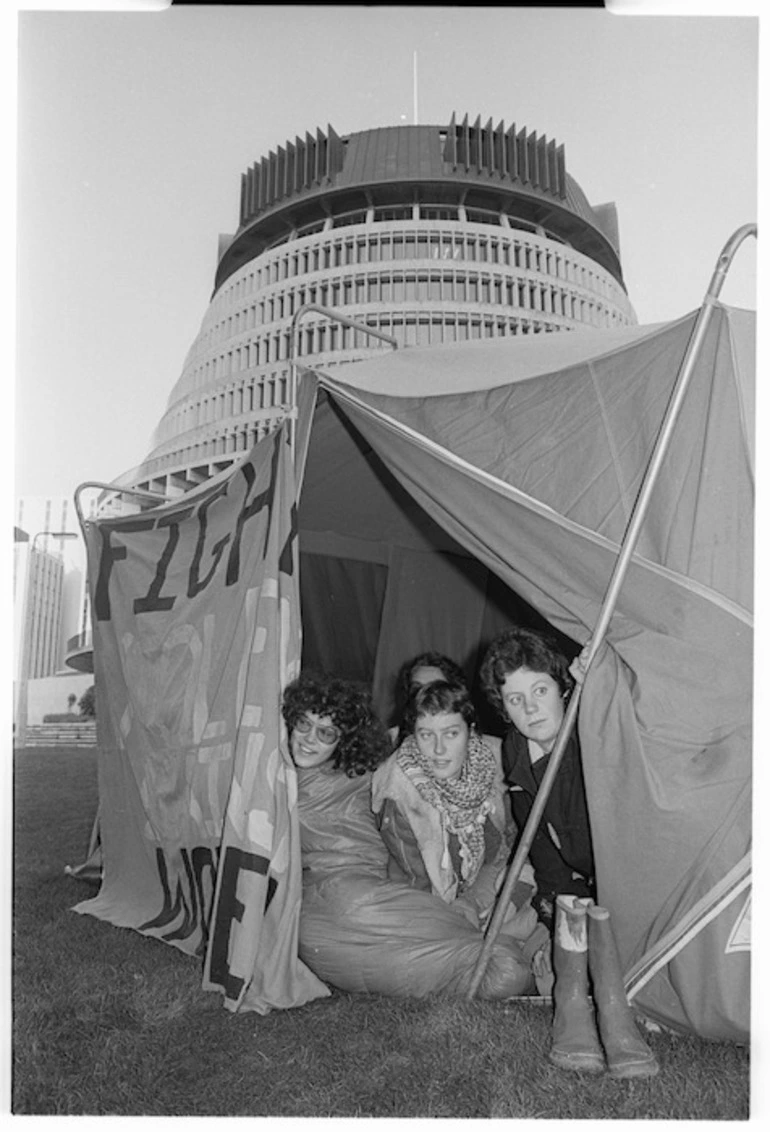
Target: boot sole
636,1069
578,1063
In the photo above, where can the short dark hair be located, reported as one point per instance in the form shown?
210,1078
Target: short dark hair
534,649
450,670
364,742
441,696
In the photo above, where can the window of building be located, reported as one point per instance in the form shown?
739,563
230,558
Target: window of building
393,212
438,212
347,218
410,330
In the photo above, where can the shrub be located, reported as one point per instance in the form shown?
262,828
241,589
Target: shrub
87,703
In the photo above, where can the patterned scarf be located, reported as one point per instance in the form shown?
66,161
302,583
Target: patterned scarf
463,802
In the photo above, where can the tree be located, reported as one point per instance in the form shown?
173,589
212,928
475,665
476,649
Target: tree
88,702
71,698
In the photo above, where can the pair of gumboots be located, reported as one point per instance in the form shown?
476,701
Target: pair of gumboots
589,1036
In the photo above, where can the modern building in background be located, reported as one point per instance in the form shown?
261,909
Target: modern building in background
428,234
50,607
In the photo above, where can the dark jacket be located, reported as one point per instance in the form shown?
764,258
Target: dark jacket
561,851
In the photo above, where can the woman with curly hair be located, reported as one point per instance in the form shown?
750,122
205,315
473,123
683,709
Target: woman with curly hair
359,929
337,714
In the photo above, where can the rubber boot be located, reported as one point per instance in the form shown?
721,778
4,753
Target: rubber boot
628,1054
575,1042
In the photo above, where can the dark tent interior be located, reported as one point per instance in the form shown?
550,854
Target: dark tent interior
381,581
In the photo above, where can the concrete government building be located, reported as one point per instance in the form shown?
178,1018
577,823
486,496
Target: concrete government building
429,234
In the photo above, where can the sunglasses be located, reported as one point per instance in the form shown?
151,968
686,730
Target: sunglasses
326,735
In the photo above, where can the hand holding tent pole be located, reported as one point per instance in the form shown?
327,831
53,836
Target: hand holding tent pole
610,599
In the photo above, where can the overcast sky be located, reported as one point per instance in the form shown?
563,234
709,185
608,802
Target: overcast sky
134,129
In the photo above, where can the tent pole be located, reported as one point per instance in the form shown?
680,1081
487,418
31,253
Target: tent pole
328,312
630,537
154,496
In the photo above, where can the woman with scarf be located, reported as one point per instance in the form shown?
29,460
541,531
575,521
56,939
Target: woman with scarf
359,929
440,802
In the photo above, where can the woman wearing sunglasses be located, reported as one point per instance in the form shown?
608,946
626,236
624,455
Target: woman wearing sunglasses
360,930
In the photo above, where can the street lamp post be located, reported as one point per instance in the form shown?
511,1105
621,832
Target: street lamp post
26,638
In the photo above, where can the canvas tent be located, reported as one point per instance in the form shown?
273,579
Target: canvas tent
452,490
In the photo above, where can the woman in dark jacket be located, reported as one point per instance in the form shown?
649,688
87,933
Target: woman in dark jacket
527,677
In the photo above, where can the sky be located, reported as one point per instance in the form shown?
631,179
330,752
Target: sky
134,129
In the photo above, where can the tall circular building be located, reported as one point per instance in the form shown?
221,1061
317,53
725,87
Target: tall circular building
428,234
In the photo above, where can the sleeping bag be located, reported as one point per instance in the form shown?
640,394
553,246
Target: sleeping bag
361,931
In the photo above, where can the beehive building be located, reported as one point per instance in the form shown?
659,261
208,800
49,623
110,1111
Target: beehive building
428,234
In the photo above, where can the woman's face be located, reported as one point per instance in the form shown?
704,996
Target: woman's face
443,741
314,739
533,702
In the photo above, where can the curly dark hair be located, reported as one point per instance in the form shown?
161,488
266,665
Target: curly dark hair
522,648
448,696
364,742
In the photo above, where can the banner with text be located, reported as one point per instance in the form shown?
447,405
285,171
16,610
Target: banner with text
195,613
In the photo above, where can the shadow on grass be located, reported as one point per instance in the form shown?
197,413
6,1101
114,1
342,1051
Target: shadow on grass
110,1022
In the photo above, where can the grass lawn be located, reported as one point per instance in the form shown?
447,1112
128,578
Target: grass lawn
109,1022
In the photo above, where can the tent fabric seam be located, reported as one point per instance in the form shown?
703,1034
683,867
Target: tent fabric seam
742,416
610,442
701,914
520,497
